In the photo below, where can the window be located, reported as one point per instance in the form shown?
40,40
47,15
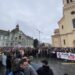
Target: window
6,37
6,44
11,44
15,38
19,42
73,23
19,37
1,37
64,42
22,38
71,0
3,44
67,1
62,27
73,12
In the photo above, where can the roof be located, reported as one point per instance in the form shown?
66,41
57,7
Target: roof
3,32
29,37
15,30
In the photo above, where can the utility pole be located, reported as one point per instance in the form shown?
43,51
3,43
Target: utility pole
39,36
39,33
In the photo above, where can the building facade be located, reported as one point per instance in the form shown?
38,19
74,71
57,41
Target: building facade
65,37
15,38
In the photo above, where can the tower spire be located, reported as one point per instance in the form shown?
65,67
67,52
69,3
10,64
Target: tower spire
17,26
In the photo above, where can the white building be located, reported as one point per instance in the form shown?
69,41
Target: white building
15,38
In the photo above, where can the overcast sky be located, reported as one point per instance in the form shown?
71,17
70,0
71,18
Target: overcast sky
31,15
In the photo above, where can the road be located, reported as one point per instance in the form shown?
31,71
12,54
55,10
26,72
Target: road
58,67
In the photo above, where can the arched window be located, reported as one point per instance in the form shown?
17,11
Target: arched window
19,37
73,23
73,12
15,38
71,0
67,1
73,43
62,26
64,41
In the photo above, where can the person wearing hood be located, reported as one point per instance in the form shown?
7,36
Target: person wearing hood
45,69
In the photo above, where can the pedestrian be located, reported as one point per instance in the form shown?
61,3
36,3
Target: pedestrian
25,68
4,58
45,69
20,69
29,70
8,64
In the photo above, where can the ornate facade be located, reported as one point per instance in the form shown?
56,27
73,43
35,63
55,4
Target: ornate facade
15,38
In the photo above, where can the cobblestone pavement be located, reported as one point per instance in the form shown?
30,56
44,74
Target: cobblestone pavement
58,67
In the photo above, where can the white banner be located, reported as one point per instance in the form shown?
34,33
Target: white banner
68,56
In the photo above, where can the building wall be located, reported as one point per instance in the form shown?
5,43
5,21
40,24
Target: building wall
14,40
3,41
64,41
67,19
24,41
69,40
66,29
56,42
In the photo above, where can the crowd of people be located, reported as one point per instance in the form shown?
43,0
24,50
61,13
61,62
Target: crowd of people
61,49
16,61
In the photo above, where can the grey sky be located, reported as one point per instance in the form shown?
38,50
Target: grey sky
31,15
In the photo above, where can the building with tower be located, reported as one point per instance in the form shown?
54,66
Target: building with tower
64,36
15,38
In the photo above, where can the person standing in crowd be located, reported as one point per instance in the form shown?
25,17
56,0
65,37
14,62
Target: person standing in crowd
20,69
4,58
16,59
45,69
20,53
8,63
25,68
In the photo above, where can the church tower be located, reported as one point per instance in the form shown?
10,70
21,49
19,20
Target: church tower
68,1
68,4
17,27
66,26
68,20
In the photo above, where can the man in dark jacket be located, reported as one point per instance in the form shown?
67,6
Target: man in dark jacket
45,69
